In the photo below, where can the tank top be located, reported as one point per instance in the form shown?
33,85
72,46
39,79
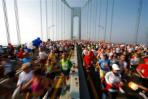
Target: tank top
65,64
36,86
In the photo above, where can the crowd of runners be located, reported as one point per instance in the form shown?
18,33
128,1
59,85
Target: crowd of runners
116,64
38,66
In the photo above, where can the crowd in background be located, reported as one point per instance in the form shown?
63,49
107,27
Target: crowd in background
116,64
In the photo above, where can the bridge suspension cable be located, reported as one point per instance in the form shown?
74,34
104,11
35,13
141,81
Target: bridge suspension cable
41,19
138,20
106,16
6,21
99,23
112,17
17,22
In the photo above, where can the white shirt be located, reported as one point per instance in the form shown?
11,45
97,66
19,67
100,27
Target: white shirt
42,55
111,78
85,52
117,50
24,77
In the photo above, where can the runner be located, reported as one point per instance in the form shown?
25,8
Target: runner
39,85
24,77
113,81
65,65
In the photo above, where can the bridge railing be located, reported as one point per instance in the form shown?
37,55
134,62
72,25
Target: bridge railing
84,91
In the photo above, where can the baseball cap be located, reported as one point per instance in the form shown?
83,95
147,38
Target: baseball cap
115,67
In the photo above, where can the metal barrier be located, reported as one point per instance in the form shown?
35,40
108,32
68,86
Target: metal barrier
84,92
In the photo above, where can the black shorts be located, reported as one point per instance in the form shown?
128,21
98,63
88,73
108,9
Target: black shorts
65,72
43,61
51,75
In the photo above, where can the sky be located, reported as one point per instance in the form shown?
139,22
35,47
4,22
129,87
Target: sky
124,21
59,20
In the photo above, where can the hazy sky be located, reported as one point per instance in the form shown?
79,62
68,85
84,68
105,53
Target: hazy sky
124,20
59,20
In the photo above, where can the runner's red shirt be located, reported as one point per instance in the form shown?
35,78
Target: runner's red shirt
143,68
87,60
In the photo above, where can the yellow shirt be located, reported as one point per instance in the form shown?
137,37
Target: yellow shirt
52,57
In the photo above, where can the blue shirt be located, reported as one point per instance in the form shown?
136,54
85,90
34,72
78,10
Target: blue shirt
26,60
103,64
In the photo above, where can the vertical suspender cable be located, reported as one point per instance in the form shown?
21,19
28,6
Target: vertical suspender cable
61,21
52,20
56,21
64,21
96,5
69,16
55,15
17,22
41,19
93,23
138,20
84,29
81,29
90,20
112,16
81,22
106,20
93,17
84,24
6,21
87,21
46,5
99,23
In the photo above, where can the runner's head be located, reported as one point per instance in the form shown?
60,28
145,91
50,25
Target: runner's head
64,55
122,57
25,67
115,68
